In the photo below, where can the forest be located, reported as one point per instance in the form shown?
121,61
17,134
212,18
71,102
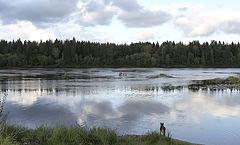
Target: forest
74,53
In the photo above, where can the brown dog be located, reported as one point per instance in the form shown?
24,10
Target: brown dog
162,129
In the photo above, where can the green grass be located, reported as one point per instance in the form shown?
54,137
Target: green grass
229,80
160,76
76,135
233,80
67,74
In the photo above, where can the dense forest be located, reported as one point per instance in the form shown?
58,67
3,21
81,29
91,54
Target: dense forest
73,53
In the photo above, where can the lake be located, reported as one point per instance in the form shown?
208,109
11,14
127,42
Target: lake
133,104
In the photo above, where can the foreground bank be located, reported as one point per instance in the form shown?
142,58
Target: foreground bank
12,135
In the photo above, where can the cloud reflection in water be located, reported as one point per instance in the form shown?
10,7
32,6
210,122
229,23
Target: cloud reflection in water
124,116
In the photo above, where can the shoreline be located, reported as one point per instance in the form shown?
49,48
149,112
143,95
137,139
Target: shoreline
118,67
13,135
175,139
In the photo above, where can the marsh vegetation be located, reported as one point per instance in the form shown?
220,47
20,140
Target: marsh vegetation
160,76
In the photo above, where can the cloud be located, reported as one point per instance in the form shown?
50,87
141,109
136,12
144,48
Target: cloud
34,20
94,12
195,22
84,12
68,30
127,5
144,36
144,18
135,15
26,31
38,12
131,13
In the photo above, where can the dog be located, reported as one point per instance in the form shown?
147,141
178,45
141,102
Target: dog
162,129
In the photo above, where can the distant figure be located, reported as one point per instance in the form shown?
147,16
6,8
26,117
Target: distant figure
120,74
162,129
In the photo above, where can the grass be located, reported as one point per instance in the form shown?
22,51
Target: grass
67,74
229,80
6,141
233,80
216,84
76,135
160,76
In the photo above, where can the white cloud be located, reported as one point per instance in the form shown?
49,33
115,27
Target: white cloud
34,20
25,30
131,13
94,12
195,22
145,35
70,30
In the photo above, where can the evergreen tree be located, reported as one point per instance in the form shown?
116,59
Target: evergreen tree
73,53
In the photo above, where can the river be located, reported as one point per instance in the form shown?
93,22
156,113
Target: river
133,104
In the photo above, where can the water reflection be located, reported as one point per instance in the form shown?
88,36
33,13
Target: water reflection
206,117
188,112
38,114
192,107
90,112
133,105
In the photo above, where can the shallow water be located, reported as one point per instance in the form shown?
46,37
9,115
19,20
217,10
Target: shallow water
134,104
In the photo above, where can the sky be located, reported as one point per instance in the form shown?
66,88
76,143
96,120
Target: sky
121,21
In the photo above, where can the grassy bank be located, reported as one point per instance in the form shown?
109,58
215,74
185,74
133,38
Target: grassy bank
12,135
216,84
160,76
229,80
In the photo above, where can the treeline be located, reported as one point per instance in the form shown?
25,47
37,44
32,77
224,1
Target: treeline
73,53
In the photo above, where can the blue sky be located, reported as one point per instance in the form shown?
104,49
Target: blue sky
121,21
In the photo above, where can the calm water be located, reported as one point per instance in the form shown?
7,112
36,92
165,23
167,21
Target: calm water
135,104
